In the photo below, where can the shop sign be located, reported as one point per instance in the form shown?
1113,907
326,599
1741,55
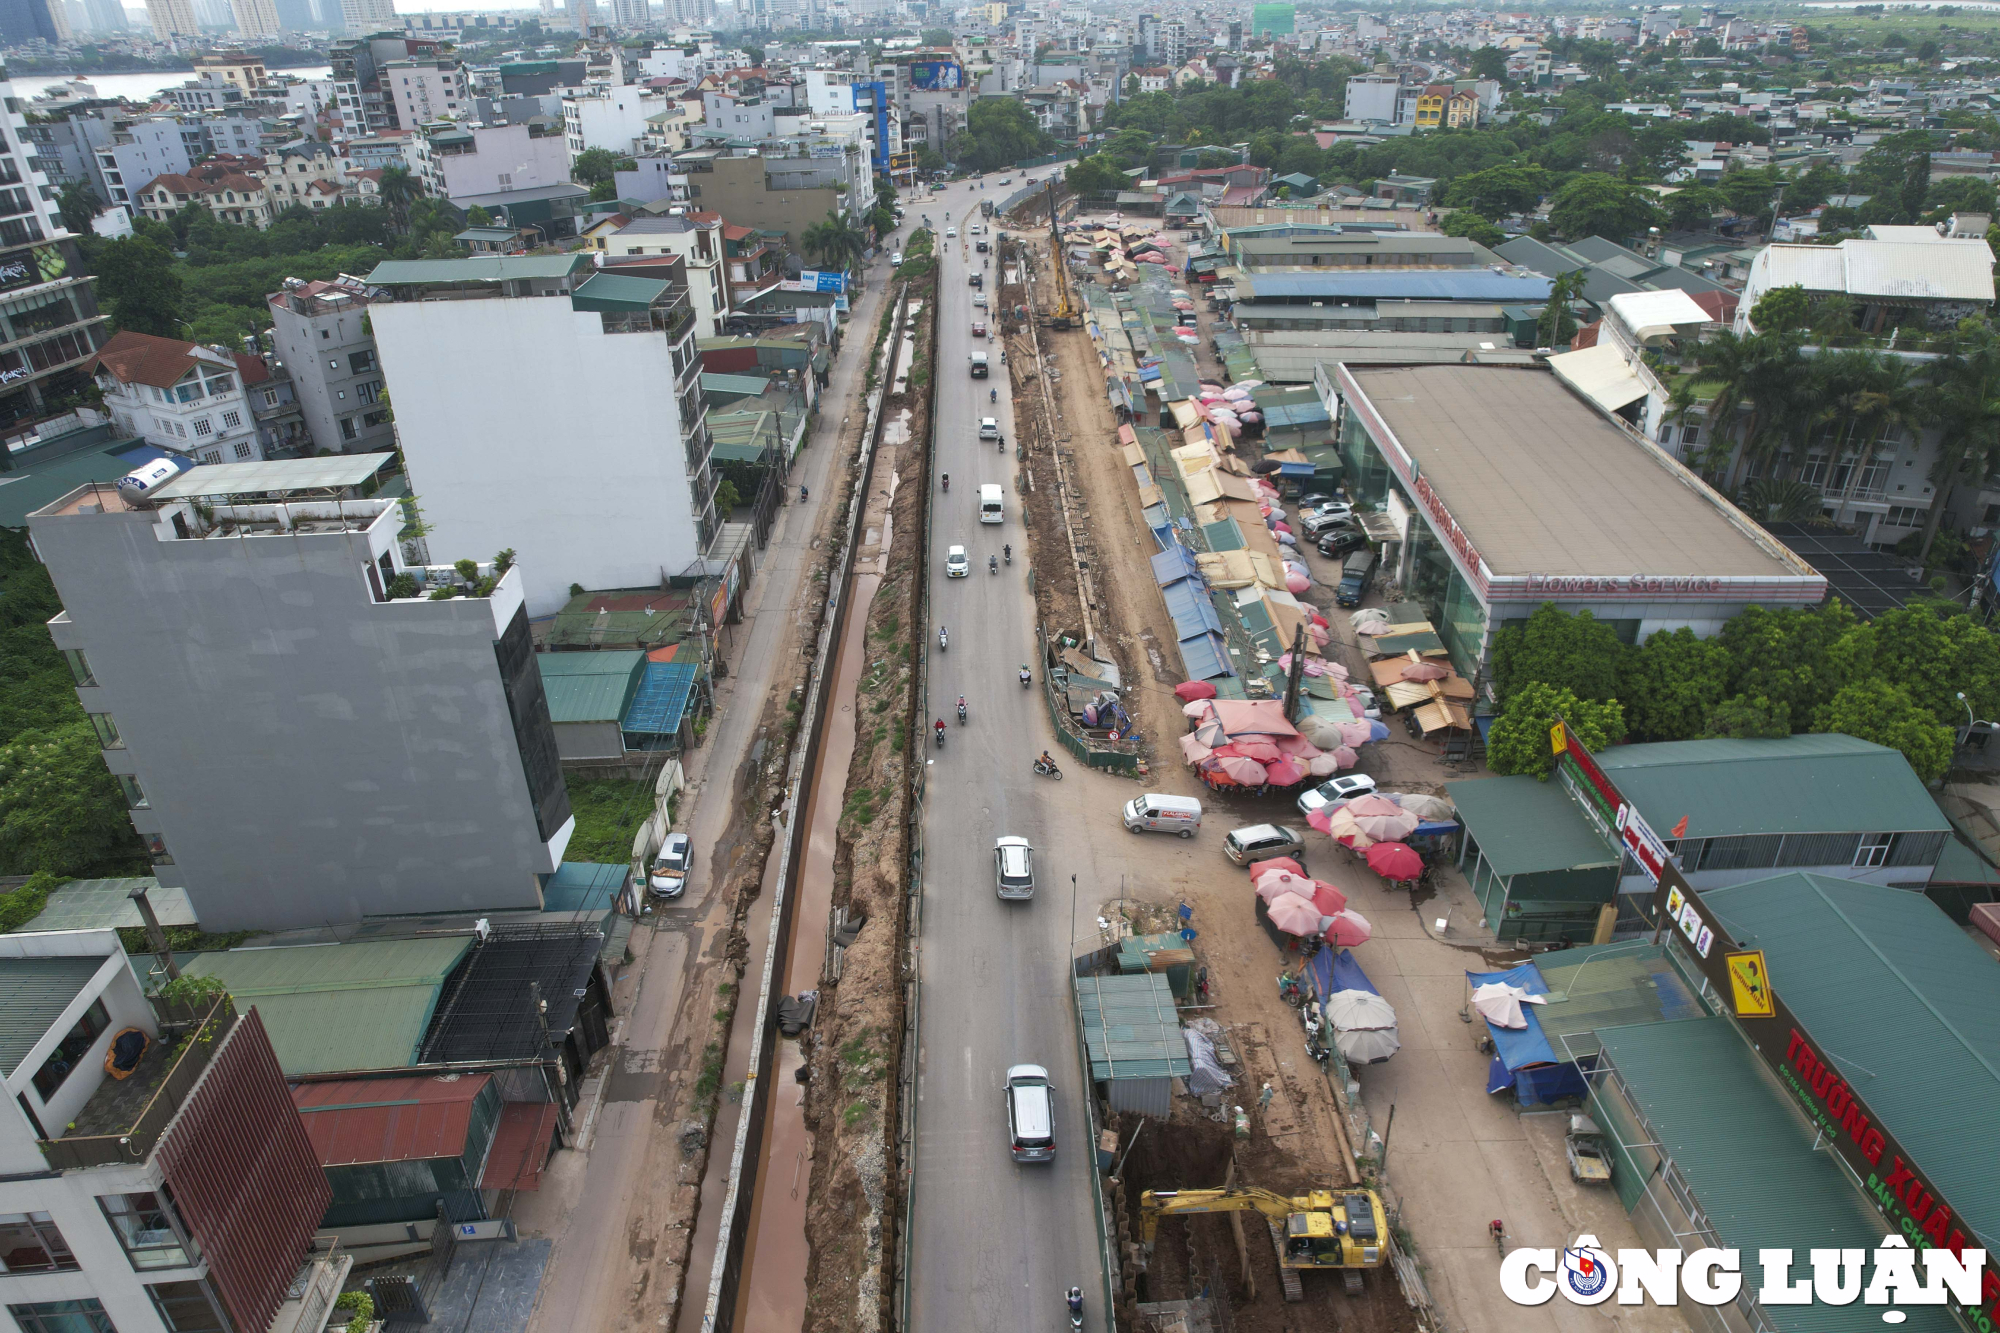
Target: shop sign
1447,526
1637,585
1909,1201
1640,840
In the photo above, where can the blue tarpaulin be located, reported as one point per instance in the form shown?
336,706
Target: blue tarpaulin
1336,970
662,698
1176,562
1206,656
1523,1058
1189,607
1433,828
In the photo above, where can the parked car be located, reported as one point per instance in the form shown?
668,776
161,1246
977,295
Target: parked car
1343,788
1314,499
1339,509
1590,1161
1317,523
979,328
1339,541
1261,842
955,562
1031,1114
670,867
896,258
1013,868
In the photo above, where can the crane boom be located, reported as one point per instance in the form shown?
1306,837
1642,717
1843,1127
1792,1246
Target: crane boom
1321,1229
1064,311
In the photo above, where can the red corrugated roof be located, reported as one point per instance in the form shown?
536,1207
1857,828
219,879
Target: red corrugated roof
737,233
1586,336
387,1119
520,1147
1721,306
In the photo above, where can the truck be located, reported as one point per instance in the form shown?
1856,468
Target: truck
1589,1156
979,365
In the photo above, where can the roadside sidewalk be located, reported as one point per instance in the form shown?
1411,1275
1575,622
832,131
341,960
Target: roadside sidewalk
616,1204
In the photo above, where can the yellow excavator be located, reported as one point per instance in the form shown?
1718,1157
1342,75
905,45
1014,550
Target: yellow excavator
1065,310
1321,1229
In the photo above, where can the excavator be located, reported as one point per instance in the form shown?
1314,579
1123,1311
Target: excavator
1065,311
1321,1229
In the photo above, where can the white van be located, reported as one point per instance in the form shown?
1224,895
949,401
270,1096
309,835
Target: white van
991,509
1156,812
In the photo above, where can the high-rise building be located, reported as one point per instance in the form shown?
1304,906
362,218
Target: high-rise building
366,16
304,738
470,349
174,23
106,15
1272,20
25,21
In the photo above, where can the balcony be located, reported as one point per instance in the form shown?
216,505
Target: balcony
314,1289
123,1120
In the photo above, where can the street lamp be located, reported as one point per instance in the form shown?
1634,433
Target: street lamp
1971,722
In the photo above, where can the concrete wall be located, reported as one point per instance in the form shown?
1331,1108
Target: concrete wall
526,426
308,754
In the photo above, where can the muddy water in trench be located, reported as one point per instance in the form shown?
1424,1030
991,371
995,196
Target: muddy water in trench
772,1294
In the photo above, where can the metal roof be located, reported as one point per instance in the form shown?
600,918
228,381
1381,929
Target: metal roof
1869,579
1905,1003
1525,827
1474,284
32,484
1748,1156
616,293
590,687
337,1007
352,1121
662,697
478,268
330,472
1940,270
1609,985
1130,1027
106,904
1795,784
33,994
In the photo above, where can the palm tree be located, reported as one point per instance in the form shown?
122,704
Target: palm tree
1557,326
399,188
1967,406
834,240
1769,500
1757,378
1892,401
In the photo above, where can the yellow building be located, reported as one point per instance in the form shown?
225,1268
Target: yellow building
1430,106
996,15
1462,111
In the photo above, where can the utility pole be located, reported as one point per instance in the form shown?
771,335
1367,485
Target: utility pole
1296,674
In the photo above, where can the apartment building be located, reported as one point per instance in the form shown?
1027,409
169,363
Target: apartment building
140,151
606,484
1373,97
780,193
50,328
696,240
180,1195
181,395
319,332
611,118
304,736
460,162
365,99
426,90
173,22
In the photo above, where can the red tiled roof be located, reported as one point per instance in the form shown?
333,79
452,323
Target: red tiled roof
176,183
141,358
356,1120
1586,336
251,368
1721,306
737,233
520,1147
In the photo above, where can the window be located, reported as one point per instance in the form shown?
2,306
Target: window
371,392
1904,516
203,426
374,418
149,1229
333,363
187,393
211,455
243,449
1874,849
73,1047
107,731
325,334
270,397
231,420
84,1316
361,362
79,666
134,796
187,1307
158,397
31,1243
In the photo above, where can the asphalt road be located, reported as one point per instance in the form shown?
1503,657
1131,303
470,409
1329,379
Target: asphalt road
995,1244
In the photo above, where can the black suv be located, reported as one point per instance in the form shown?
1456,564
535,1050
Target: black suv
1340,541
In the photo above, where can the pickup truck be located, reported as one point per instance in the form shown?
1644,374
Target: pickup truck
1589,1156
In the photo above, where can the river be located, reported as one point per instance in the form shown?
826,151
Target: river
142,86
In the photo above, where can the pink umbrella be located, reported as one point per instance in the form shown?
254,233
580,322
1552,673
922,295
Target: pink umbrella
1190,690
1355,732
1271,883
1295,915
1281,527
1196,709
1211,771
1327,898
1349,928
1322,765
1395,860
1424,671
1285,772
1374,803
1320,819
1296,747
1285,863
1342,828
1193,750
1250,747
1345,757
1246,771
1388,828
1210,733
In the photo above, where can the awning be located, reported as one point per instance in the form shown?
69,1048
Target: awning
520,1147
1206,656
1189,608
1176,562
1600,374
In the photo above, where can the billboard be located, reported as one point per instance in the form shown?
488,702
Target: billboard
936,75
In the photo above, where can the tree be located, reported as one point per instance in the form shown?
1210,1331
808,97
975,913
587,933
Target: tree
60,810
399,190
1783,655
137,277
1781,308
1747,717
834,240
1693,207
726,497
756,53
930,37
1967,408
1936,651
1769,500
593,166
1490,62
78,204
1574,652
1096,174
999,131
1519,741
1596,204
930,160
1131,85
1875,710
1499,191
1671,682
1473,227
1762,373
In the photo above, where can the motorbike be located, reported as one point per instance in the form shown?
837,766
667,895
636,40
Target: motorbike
944,640
947,482
961,710
1074,1302
1498,1230
1008,551
992,564
940,733
992,395
1024,678
1048,770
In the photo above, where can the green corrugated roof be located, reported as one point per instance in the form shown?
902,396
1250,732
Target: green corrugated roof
1130,1027
1799,784
734,386
477,268
1748,1155
1906,1004
338,1007
106,904
617,293
590,687
1598,986
33,994
1960,863
32,485
1524,826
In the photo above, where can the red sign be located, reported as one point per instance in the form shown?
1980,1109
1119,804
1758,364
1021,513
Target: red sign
1447,525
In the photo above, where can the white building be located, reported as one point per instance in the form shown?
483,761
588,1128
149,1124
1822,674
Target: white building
140,151
255,18
1373,97
426,90
551,409
461,161
613,118
125,1203
182,396
696,239
319,330
361,17
173,21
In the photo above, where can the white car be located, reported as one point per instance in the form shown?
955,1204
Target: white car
896,258
975,230
989,428
670,867
1013,868
951,233
1006,180
1343,788
1031,1118
954,562
979,300
1335,508
1365,700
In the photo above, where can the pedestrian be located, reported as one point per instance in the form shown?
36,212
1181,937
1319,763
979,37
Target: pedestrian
1264,1096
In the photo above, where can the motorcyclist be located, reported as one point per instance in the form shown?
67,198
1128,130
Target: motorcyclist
1024,673
993,395
1008,551
1075,1300
943,638
947,481
961,708
940,729
992,564
802,495
1045,761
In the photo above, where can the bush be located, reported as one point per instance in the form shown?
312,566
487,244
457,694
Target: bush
24,904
